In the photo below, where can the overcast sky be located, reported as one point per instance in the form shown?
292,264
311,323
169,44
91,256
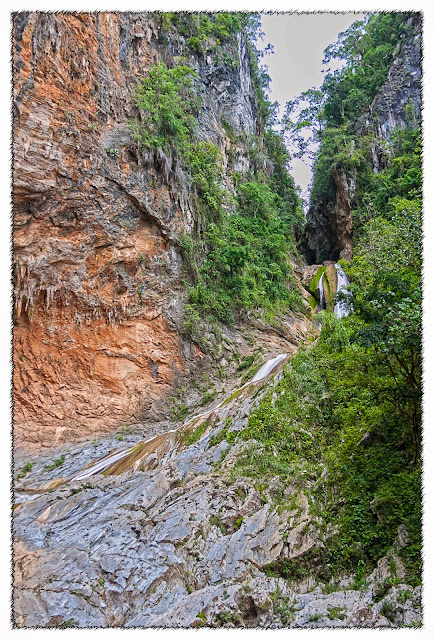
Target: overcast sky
296,65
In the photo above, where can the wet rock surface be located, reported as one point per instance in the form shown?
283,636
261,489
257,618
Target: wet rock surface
183,544
168,535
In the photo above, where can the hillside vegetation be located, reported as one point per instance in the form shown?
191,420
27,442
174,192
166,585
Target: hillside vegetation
283,486
238,256
351,404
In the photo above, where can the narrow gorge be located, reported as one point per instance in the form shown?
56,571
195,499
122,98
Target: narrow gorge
217,398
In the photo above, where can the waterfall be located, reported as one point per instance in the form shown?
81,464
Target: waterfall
342,309
166,440
268,367
320,288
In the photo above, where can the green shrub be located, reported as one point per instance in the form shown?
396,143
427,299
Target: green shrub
190,438
238,257
56,463
336,613
166,101
25,470
283,607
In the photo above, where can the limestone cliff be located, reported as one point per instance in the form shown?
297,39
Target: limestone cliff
402,90
97,264
328,233
222,479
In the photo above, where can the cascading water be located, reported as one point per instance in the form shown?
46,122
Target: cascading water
166,440
268,367
341,309
320,288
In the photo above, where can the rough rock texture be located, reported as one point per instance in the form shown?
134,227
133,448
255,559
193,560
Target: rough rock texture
402,89
311,282
328,232
93,342
182,544
98,287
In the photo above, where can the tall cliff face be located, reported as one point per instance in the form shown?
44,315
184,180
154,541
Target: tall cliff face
328,231
329,226
98,293
293,499
402,89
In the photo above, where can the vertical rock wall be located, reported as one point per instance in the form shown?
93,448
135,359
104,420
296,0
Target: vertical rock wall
98,291
328,232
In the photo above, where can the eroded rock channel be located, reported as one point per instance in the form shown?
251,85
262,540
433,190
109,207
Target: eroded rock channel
161,534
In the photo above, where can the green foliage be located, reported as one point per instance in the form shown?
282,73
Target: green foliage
238,256
371,361
282,183
203,31
56,463
216,522
25,470
333,409
367,49
229,130
316,279
343,154
223,435
71,622
315,617
178,411
206,33
207,397
417,624
237,260
188,251
334,115
189,438
283,607
191,319
303,121
403,595
400,178
360,582
386,285
336,613
167,102
351,404
246,362
204,162
267,111
388,611
202,617
247,263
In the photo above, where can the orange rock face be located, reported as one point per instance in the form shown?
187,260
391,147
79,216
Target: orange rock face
95,269
99,290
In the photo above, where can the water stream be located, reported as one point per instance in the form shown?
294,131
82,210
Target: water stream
163,441
341,309
101,465
320,287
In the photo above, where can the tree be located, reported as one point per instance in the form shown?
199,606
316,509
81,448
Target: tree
303,121
386,286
